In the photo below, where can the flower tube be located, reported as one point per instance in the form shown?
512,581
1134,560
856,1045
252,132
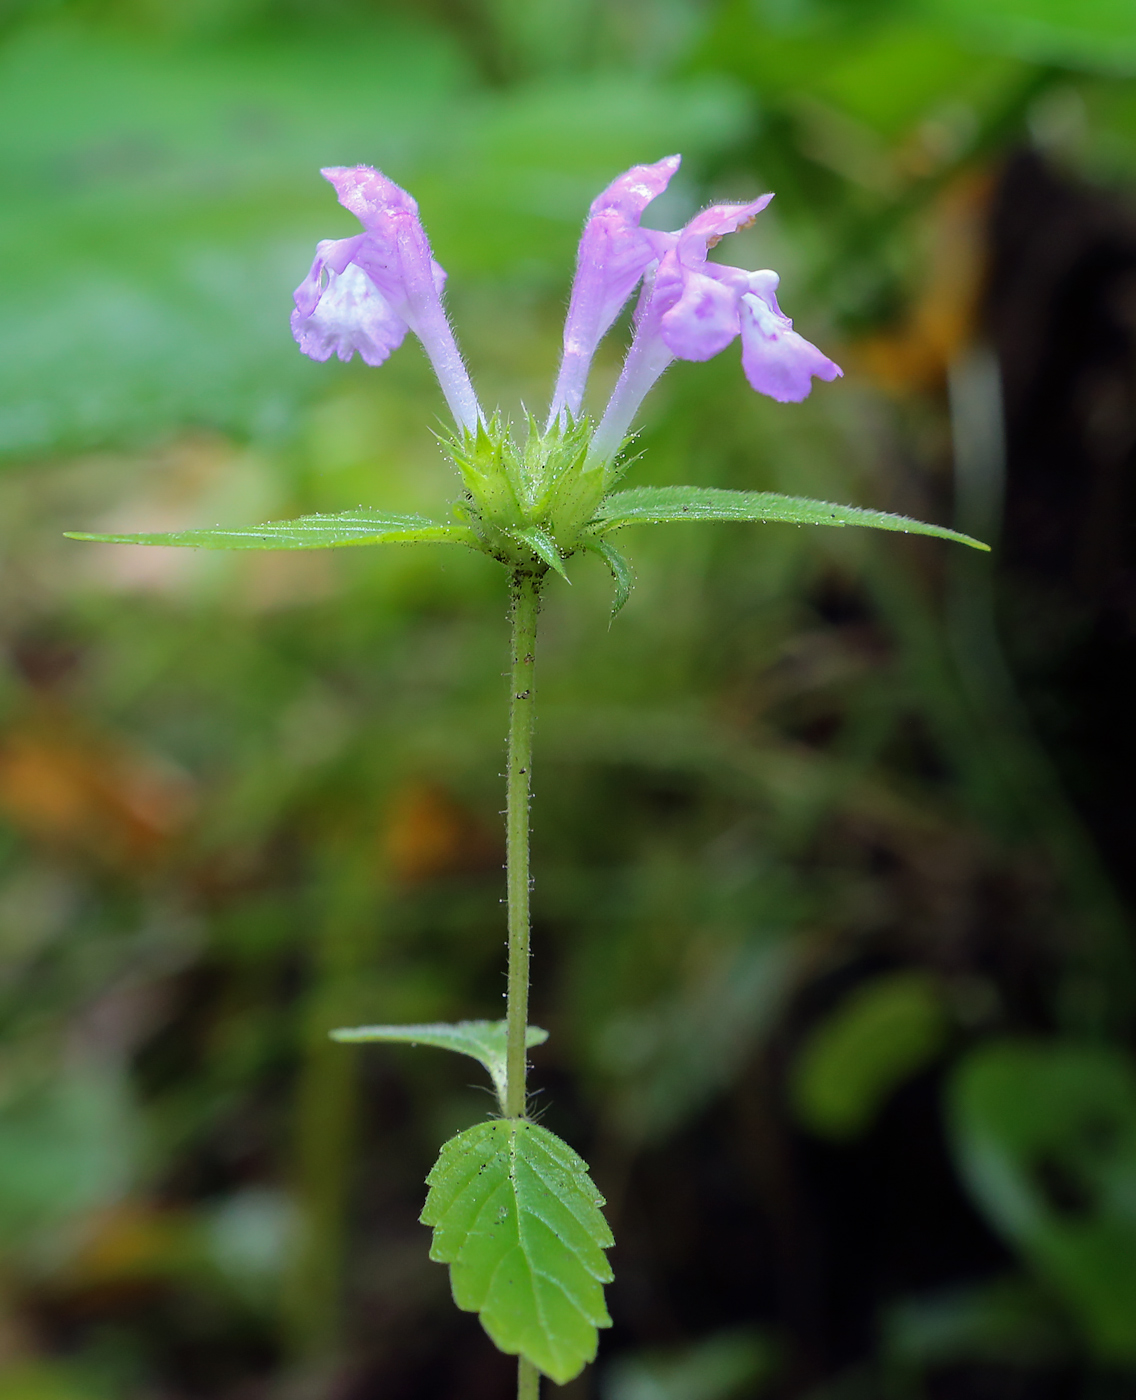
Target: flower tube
614,254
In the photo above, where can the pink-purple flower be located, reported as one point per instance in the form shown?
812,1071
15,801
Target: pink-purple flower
614,253
365,292
380,284
691,309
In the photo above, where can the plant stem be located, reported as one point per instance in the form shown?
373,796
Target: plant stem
528,1380
525,605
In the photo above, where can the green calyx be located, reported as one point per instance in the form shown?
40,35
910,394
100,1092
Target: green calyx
529,501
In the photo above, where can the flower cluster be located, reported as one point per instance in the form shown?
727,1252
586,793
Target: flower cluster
365,292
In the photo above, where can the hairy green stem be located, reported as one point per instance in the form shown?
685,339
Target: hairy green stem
528,1380
525,605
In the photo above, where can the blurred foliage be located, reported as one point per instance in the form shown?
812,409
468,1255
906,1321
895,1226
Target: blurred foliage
882,1034
803,865
1047,1136
716,1368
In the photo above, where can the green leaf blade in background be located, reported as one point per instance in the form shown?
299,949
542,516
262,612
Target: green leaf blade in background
346,528
1098,35
880,1035
161,202
663,505
518,1220
733,1364
1045,1138
70,1145
483,1040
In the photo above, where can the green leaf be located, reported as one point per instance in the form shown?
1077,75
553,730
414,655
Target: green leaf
47,1380
518,1220
621,573
70,1145
155,289
880,1035
542,545
660,505
1045,1137
1094,34
727,1365
484,1040
349,527
1007,1321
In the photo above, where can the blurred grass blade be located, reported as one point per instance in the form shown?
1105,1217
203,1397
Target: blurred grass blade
518,1220
1045,1137
350,527
1094,34
660,505
734,1364
484,1040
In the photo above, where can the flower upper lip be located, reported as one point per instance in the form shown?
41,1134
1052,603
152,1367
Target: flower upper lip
614,253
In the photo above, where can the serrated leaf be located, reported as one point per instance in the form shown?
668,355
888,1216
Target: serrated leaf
659,505
621,572
484,1040
349,527
518,1220
543,546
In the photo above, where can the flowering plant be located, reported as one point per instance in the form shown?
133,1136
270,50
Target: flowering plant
514,1212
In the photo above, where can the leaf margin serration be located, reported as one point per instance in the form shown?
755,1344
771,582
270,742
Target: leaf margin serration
528,1159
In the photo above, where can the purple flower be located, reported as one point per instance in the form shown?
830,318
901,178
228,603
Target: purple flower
380,283
349,313
613,255
691,309
364,293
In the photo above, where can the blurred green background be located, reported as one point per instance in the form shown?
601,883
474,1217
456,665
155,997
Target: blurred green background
834,836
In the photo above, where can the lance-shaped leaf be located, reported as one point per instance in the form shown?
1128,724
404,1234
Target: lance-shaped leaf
484,1040
621,573
518,1220
658,505
349,527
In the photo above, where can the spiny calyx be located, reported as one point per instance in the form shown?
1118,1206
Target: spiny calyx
529,496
